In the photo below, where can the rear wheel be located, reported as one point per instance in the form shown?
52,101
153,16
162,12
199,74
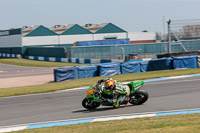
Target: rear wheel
139,97
86,104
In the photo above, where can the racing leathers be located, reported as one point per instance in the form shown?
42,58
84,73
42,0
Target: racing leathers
119,92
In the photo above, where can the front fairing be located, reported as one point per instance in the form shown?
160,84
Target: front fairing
93,98
91,93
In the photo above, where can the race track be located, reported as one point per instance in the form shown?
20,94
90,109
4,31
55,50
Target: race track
10,71
175,94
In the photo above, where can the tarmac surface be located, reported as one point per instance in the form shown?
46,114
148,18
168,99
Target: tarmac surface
17,76
174,94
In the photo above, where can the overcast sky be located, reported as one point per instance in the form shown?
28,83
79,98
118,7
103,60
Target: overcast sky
130,15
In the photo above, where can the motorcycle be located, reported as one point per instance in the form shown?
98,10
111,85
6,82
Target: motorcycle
96,95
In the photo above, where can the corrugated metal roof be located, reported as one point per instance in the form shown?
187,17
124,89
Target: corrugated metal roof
28,29
59,29
76,30
56,28
41,31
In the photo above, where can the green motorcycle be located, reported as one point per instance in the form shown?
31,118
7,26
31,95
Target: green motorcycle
97,95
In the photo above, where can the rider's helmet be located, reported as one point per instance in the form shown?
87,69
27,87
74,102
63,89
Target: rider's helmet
109,85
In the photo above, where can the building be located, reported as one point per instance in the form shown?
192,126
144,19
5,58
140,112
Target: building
142,37
67,35
11,38
59,35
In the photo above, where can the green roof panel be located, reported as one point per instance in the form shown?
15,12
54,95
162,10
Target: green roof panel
75,30
41,31
110,28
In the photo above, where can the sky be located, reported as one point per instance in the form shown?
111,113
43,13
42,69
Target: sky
130,15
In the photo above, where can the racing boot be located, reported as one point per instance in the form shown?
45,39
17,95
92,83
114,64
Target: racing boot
115,104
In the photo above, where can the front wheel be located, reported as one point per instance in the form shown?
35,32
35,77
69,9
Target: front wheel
139,97
86,104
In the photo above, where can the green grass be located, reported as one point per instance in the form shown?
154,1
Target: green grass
167,124
55,86
35,63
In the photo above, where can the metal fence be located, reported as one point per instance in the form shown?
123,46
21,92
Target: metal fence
112,51
188,29
124,51
117,51
182,30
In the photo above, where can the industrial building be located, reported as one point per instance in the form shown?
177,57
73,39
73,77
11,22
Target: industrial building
68,35
97,41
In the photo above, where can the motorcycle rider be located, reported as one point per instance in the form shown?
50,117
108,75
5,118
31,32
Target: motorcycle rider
118,90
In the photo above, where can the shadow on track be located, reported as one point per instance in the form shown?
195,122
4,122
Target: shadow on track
102,109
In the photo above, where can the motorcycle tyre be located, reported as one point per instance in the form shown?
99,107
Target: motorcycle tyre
137,94
87,106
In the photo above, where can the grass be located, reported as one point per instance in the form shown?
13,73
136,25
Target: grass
167,124
55,86
35,63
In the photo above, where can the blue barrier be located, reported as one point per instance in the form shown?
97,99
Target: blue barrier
10,55
130,67
133,60
153,65
66,73
144,66
70,73
87,71
109,69
185,62
76,60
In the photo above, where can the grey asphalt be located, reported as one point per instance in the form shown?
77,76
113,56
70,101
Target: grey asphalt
166,95
10,71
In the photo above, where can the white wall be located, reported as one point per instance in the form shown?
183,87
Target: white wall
70,39
101,36
136,36
11,41
40,40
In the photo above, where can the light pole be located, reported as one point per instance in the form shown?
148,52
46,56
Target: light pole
169,36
